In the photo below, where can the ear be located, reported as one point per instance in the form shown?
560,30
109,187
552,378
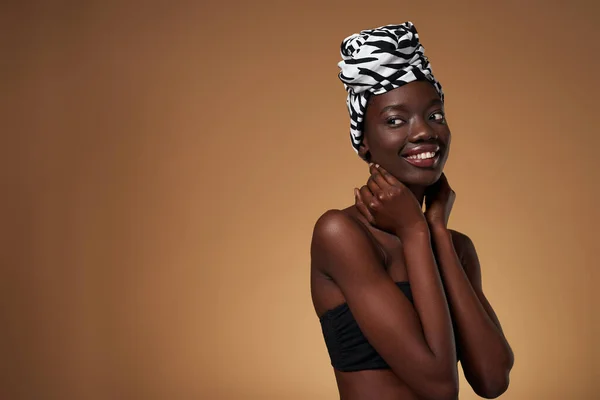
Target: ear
363,151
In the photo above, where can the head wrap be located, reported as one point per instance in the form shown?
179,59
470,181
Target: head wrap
376,61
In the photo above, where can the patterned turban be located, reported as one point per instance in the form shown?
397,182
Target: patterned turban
376,61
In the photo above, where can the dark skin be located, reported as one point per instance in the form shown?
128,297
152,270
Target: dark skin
359,252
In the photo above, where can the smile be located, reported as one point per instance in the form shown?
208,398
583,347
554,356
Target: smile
426,159
422,156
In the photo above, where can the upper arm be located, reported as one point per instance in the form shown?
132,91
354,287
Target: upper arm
342,249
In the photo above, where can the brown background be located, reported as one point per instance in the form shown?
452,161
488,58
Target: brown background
164,163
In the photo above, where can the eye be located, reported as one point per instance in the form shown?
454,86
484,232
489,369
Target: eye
438,117
394,121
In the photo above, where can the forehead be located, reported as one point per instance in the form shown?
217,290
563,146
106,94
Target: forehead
414,94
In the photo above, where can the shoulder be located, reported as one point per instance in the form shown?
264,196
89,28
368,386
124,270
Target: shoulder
465,250
334,224
459,236
462,243
337,228
338,235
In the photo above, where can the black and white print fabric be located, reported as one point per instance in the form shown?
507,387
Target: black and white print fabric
376,61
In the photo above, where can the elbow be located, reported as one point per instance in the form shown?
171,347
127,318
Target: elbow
492,389
492,386
495,382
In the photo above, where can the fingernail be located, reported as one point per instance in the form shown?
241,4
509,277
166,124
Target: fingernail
376,165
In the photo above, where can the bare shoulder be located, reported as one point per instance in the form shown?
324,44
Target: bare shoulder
339,235
459,237
465,250
337,247
335,225
462,243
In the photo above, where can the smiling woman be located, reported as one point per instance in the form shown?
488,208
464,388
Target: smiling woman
398,294
390,119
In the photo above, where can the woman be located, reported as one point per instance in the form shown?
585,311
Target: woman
398,294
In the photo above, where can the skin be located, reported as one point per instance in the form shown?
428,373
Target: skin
359,252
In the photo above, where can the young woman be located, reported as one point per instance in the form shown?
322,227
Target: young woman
398,294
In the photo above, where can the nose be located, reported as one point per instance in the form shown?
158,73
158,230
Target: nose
421,131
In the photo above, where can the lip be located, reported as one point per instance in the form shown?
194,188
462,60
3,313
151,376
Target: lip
422,148
423,163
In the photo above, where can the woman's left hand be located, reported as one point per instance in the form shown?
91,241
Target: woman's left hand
439,199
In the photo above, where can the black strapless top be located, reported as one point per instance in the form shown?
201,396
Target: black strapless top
348,348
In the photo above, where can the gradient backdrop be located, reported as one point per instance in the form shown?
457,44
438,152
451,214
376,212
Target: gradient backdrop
164,163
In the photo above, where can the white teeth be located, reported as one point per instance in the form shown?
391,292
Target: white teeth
421,156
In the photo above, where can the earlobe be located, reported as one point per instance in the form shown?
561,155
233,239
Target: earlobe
363,150
364,153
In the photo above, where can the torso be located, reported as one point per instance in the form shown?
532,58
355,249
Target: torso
380,384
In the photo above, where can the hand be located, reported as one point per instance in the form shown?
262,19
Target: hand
439,199
389,205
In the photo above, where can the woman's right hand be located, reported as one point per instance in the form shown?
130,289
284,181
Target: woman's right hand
389,205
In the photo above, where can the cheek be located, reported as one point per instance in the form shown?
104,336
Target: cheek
444,134
389,140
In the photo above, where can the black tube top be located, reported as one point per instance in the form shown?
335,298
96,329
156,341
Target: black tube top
348,348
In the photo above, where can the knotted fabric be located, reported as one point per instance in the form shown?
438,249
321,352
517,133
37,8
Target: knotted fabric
376,61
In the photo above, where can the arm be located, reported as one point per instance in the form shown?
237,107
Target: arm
486,356
417,343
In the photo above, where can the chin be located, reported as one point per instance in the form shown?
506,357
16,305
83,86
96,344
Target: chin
426,176
422,178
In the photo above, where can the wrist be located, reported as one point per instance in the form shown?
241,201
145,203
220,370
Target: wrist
417,231
439,229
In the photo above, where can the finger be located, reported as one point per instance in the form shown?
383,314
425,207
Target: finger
442,187
437,185
373,186
432,190
389,178
369,199
444,182
373,168
365,195
360,205
378,177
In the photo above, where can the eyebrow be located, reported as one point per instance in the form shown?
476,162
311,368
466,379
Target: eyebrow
403,106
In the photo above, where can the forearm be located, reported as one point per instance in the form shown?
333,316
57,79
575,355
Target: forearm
429,297
483,346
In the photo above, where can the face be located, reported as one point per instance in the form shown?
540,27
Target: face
406,132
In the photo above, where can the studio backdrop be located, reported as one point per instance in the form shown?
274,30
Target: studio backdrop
164,164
